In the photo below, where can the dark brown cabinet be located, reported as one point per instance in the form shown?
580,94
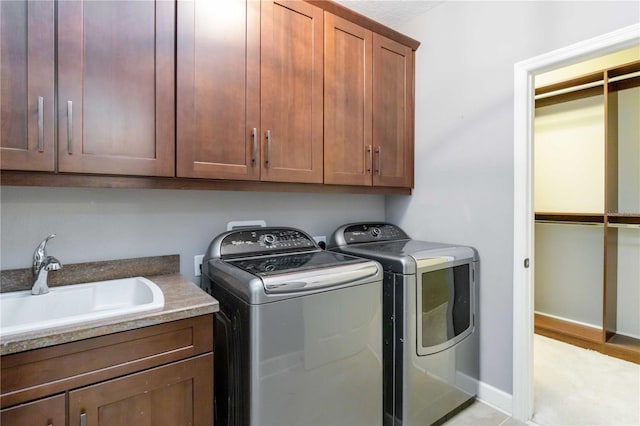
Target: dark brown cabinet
218,96
250,91
157,375
393,113
45,412
116,87
368,107
291,106
163,396
27,70
348,119
241,94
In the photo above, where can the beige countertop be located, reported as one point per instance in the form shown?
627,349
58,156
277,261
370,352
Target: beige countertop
182,299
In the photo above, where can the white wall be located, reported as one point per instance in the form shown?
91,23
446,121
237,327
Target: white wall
464,136
106,224
569,270
569,157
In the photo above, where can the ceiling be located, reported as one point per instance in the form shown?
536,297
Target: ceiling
392,13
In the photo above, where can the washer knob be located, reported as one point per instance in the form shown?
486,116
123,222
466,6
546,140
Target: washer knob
375,232
269,239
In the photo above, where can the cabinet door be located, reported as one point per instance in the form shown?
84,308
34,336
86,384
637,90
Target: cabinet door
175,394
291,86
348,153
27,84
218,98
45,412
116,87
392,113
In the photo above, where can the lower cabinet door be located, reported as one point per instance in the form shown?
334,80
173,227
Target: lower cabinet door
44,412
175,394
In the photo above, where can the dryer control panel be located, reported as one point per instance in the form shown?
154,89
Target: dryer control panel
369,232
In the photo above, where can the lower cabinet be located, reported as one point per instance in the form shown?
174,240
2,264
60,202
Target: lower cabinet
46,412
169,395
153,376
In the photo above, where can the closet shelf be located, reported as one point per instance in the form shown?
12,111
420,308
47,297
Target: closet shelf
628,218
619,78
623,220
573,218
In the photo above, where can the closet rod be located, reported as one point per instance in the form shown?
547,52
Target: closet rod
569,222
624,77
569,90
624,225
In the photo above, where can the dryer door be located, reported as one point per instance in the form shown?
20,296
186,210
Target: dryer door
445,299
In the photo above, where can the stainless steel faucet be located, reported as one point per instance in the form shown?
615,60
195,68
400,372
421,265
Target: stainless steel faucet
42,264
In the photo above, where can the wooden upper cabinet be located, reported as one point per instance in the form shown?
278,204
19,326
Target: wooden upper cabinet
393,106
27,85
218,97
291,92
116,76
348,155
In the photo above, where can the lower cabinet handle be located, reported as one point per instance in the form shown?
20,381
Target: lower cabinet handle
370,152
379,153
268,161
40,123
83,419
254,157
70,127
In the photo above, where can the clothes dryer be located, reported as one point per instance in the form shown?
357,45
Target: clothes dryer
430,330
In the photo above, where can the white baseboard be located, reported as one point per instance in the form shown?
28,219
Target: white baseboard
498,399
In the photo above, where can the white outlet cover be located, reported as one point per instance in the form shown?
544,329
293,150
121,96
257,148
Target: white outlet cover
197,265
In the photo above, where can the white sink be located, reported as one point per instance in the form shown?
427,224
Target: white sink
21,311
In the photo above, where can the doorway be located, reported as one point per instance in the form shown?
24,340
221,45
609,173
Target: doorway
523,288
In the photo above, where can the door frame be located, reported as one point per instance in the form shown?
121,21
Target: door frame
523,214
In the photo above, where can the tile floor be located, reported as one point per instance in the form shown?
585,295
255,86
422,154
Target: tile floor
480,414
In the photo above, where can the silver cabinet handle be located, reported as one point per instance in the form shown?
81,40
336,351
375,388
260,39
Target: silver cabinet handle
83,419
70,127
268,160
379,153
370,152
40,124
254,157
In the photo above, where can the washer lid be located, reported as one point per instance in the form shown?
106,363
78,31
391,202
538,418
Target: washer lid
265,266
306,271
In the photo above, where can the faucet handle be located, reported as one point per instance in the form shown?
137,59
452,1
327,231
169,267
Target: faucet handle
41,253
51,264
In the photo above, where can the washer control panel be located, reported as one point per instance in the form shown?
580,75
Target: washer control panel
265,240
369,232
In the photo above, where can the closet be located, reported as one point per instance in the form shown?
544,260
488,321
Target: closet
587,210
